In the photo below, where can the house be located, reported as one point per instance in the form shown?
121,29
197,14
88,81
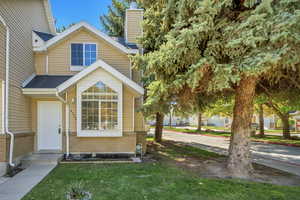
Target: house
77,95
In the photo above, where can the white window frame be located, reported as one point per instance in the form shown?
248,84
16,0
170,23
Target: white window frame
77,68
115,85
99,106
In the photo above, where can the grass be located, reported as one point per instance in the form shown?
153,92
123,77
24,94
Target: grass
277,139
173,150
267,138
194,131
151,181
154,181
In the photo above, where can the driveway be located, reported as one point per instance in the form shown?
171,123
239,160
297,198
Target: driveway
280,157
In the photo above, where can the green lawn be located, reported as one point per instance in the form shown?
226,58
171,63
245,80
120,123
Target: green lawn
267,138
185,130
151,181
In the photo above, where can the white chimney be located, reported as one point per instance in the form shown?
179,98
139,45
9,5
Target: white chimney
133,23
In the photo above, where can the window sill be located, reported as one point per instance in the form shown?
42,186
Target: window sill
77,68
106,133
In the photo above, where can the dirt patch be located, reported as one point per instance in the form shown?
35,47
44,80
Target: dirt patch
212,165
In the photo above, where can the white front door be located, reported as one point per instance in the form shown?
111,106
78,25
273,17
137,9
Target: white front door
49,125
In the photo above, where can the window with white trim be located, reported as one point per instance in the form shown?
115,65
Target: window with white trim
99,108
83,54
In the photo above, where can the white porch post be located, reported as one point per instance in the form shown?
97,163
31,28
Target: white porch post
67,129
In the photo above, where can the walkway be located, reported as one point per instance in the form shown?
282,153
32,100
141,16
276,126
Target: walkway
281,157
38,167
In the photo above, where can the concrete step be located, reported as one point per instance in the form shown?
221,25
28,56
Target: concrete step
41,158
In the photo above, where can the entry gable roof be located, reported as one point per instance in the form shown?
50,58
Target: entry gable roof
89,27
103,65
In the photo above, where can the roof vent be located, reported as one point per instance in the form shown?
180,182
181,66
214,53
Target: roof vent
133,5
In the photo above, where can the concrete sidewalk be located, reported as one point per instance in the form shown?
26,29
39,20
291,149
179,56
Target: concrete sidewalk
18,186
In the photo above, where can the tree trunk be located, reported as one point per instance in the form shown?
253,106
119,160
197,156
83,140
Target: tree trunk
170,120
261,121
239,161
199,126
286,126
159,127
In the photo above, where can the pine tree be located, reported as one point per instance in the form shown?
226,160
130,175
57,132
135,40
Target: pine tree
114,22
225,46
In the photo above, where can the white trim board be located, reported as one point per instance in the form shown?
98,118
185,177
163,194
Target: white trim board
116,85
89,27
39,91
30,78
76,68
101,64
49,16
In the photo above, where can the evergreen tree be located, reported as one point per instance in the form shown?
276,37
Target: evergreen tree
63,28
225,46
114,22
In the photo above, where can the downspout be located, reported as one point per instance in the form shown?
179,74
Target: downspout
12,137
67,122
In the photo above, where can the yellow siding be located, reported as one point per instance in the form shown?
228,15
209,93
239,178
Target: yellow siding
128,110
126,144
78,144
60,61
134,19
22,17
24,144
139,123
3,148
40,64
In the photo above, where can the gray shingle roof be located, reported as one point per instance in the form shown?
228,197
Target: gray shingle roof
44,36
46,81
122,41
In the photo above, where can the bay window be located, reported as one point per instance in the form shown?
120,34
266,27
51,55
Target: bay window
99,108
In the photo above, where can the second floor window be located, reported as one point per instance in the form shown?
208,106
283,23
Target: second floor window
83,54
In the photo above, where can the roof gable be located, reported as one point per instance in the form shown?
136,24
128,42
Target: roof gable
90,28
101,64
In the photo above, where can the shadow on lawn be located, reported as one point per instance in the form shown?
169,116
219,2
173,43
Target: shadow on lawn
211,165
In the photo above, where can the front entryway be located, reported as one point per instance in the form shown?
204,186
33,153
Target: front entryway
49,125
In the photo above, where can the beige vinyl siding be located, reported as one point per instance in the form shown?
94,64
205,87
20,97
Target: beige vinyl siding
4,139
128,110
40,63
139,124
22,17
59,56
126,143
134,29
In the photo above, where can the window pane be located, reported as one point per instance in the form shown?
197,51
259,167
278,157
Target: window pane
77,54
90,115
99,101
109,115
90,54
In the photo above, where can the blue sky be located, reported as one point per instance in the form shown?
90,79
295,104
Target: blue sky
72,11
